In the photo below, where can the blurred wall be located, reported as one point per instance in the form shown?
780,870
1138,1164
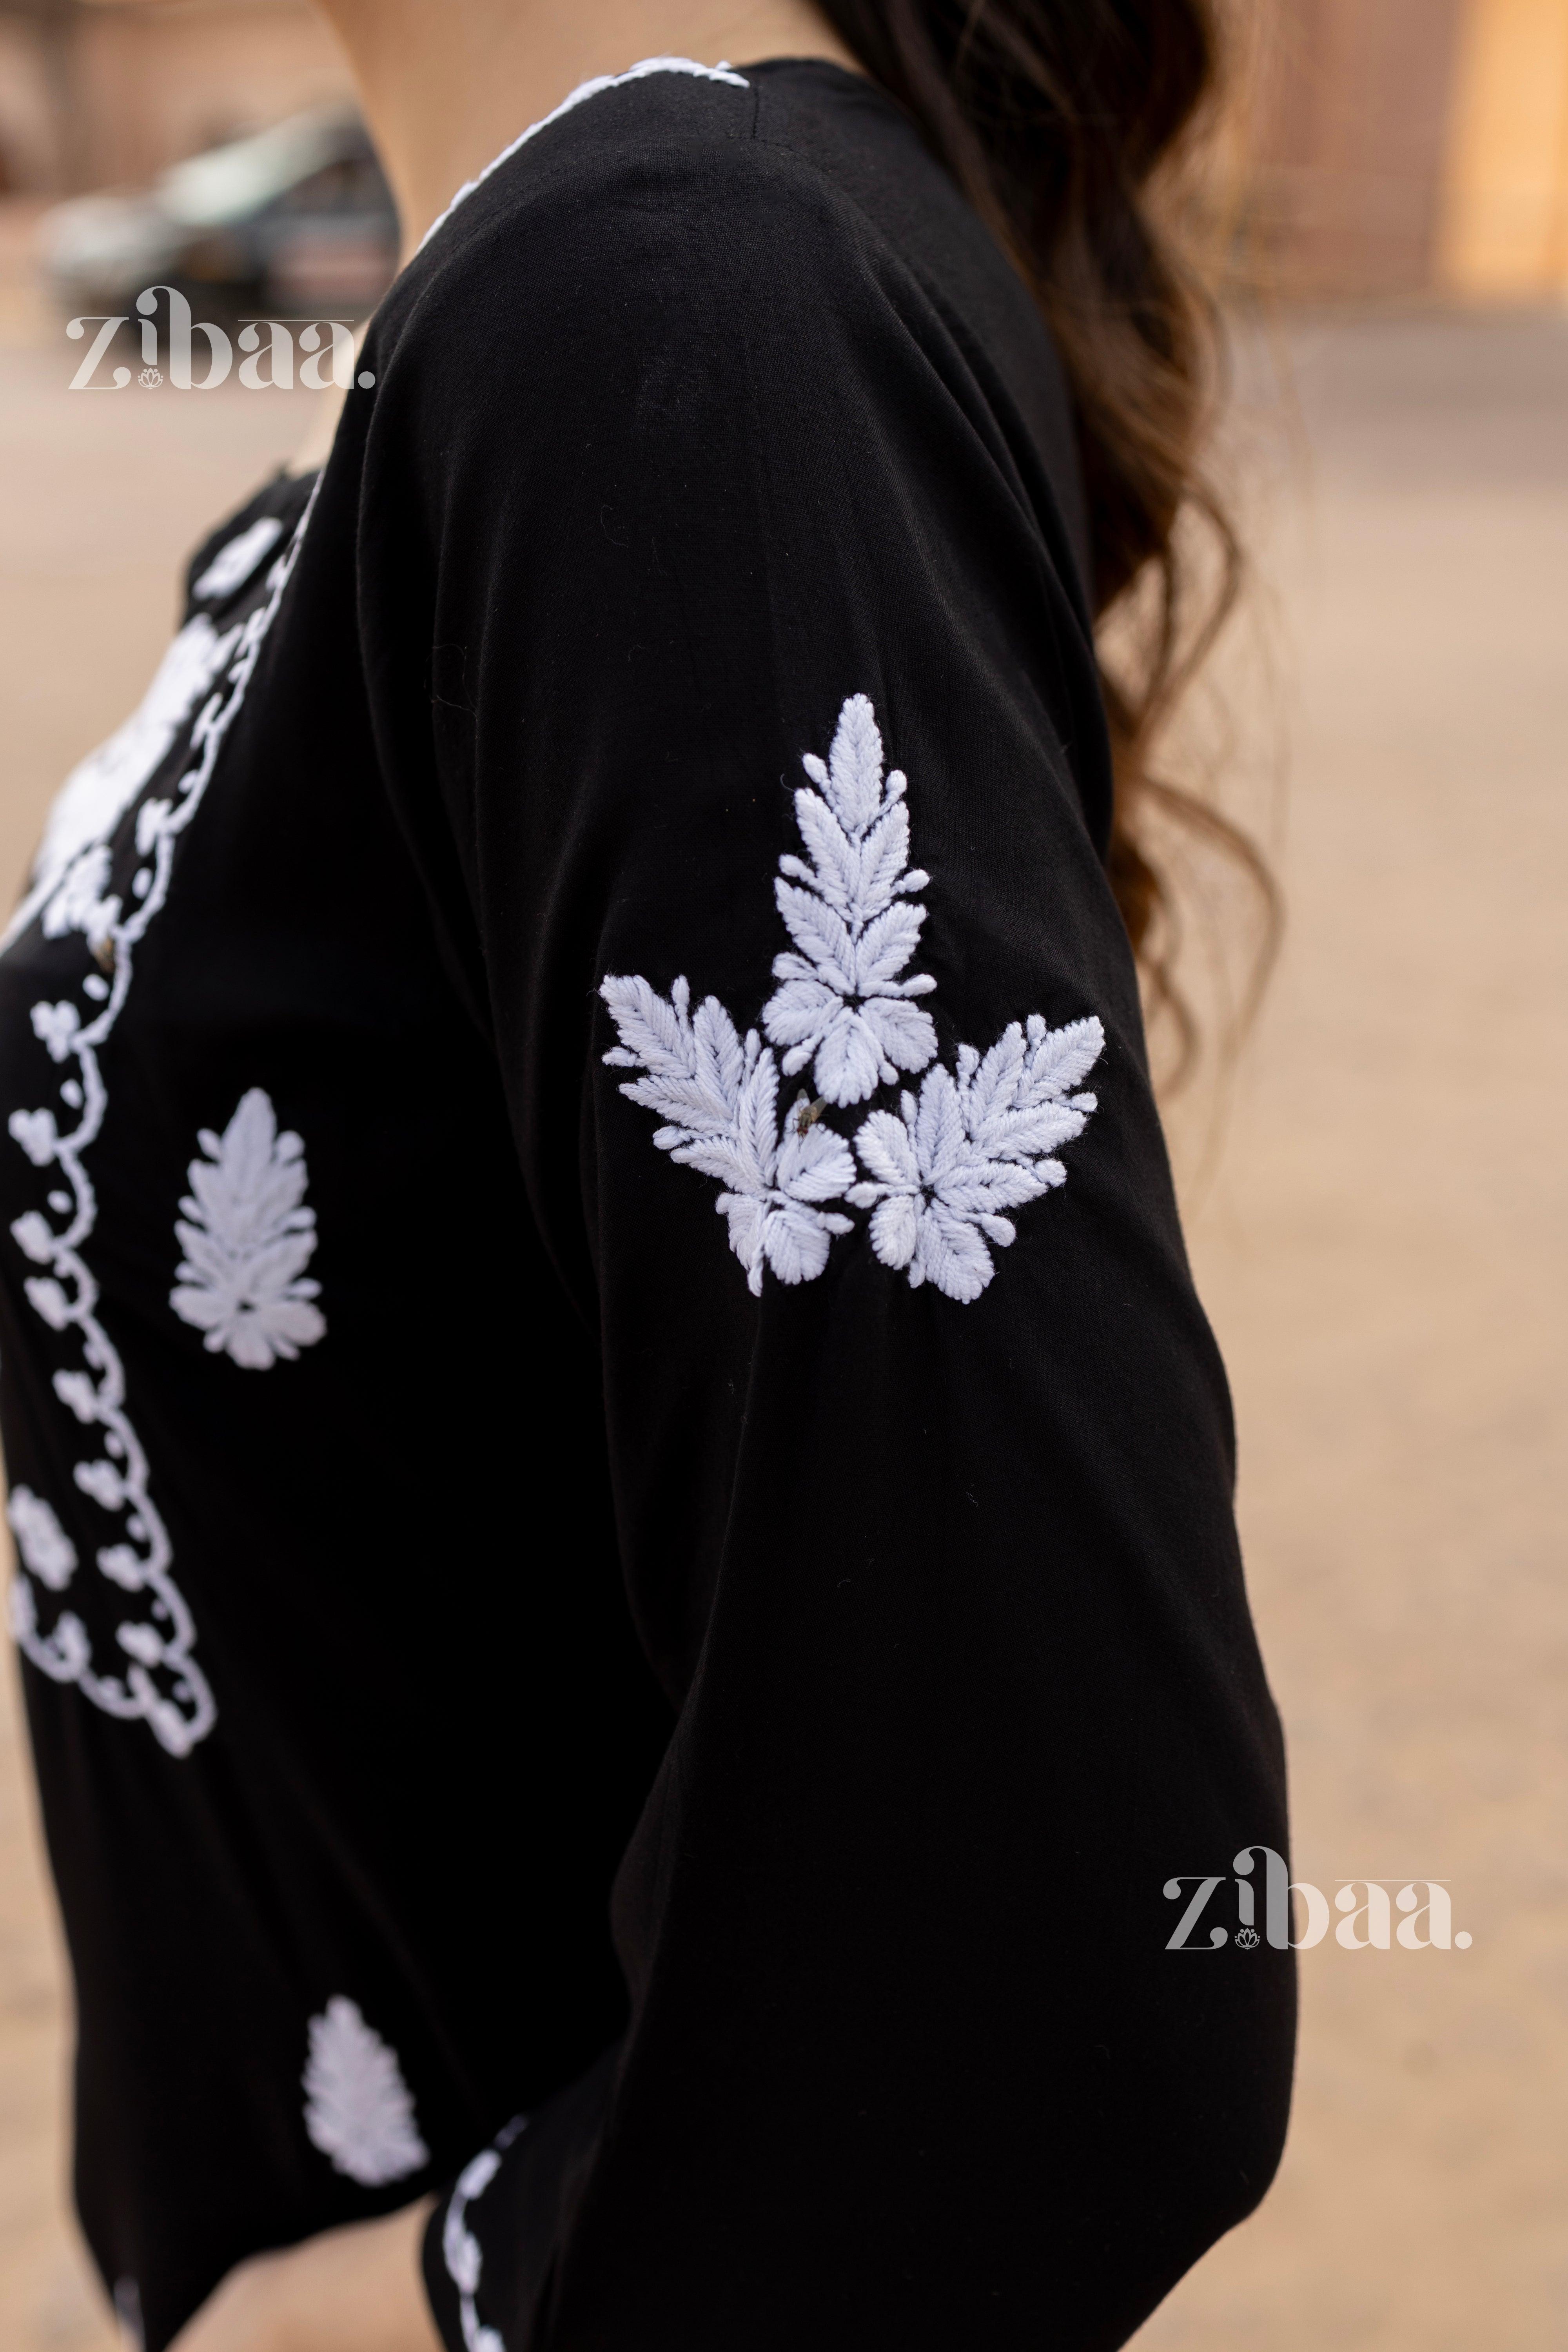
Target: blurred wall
1398,147
1406,147
1505,224
1354,106
90,97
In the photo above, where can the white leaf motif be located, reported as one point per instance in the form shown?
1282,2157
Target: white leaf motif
718,1100
47,1552
358,2108
248,1239
971,1147
942,1173
854,942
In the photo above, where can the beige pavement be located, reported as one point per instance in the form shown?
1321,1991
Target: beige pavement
1383,1249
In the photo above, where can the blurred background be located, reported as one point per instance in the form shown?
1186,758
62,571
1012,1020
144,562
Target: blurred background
1377,1217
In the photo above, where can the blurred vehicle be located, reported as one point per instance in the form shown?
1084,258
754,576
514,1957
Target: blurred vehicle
298,214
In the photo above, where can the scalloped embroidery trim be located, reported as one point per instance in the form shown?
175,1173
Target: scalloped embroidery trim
159,1683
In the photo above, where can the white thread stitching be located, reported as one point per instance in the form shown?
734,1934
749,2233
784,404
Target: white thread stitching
720,1101
843,1006
945,1168
162,1643
359,2111
460,2250
248,1238
585,90
948,1165
234,563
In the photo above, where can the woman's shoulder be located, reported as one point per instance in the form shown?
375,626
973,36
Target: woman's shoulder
671,193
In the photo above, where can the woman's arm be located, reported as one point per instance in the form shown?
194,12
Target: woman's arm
353,2289
733,694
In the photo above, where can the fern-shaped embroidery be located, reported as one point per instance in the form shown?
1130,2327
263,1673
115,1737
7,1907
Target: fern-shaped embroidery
358,2108
718,1100
843,1005
943,1171
248,1239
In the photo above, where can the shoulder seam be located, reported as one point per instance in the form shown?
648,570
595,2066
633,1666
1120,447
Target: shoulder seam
584,91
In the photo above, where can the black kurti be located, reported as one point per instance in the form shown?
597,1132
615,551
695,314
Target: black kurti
600,1380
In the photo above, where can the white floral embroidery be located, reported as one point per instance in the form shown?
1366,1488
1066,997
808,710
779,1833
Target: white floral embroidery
461,2251
944,1169
47,1552
159,1683
72,864
718,1100
248,1239
233,564
843,1000
358,2108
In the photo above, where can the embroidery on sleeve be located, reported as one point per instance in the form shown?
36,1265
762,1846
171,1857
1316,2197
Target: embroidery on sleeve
718,1100
941,1172
248,1238
461,2251
945,1168
359,2111
843,1005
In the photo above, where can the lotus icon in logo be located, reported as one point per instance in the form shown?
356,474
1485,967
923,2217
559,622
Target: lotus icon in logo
1247,1939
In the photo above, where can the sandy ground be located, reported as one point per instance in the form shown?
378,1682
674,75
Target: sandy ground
1381,1248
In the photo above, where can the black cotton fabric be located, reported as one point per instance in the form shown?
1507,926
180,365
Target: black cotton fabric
637,1634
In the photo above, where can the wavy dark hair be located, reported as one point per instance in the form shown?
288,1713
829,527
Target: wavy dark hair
1065,121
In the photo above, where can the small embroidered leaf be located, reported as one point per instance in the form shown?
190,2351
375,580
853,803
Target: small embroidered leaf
883,860
48,1300
895,1230
849,1060
952,1254
887,1148
47,1552
797,1243
822,936
248,1239
855,766
103,1481
1062,1056
719,1100
849,916
906,1036
968,1149
57,1026
815,1165
836,865
36,1131
34,1236
800,1014
885,948
358,2108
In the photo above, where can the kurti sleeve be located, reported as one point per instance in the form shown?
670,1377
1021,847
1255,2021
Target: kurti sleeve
735,693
